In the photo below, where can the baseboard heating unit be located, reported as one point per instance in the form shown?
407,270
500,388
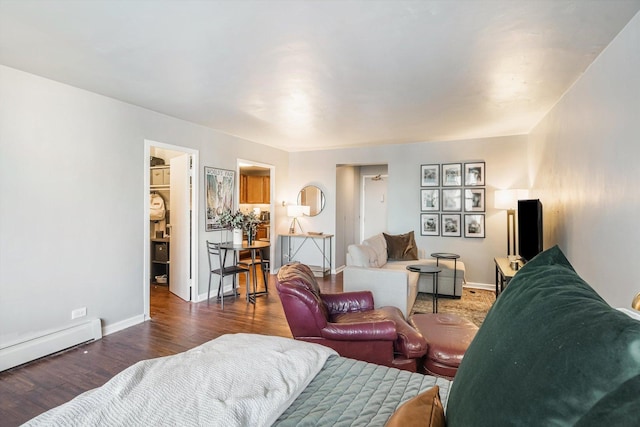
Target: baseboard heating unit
26,351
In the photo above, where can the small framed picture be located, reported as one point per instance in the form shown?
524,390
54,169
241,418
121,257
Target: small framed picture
451,200
452,174
474,225
474,174
474,199
429,199
451,226
430,175
429,225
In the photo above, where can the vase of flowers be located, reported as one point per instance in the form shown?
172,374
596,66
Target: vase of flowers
239,222
250,225
233,221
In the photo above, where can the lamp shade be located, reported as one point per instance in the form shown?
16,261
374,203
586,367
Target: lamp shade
296,211
508,199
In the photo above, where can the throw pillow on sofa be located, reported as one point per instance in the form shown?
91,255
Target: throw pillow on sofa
363,256
551,351
424,410
379,246
401,246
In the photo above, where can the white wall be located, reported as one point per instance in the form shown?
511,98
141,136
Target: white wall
72,201
346,212
506,164
584,158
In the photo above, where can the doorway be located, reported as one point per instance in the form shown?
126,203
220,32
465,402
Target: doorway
170,240
353,219
373,214
256,183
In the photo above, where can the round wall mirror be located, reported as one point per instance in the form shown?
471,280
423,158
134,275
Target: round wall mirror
313,197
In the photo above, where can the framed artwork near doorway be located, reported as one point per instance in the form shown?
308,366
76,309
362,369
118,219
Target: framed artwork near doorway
474,174
430,224
474,199
474,226
430,175
429,199
451,226
452,174
451,199
219,185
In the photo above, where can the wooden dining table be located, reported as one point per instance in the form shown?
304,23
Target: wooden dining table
253,248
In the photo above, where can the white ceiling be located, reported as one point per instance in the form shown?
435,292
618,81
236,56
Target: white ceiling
301,75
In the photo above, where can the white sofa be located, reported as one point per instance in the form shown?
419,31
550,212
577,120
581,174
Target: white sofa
368,268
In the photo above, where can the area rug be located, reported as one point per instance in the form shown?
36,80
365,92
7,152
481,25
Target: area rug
474,304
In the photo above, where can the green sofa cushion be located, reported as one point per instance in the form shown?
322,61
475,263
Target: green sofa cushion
551,352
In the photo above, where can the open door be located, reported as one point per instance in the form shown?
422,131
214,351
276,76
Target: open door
179,254
374,205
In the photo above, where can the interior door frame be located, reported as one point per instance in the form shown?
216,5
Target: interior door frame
195,216
363,196
272,174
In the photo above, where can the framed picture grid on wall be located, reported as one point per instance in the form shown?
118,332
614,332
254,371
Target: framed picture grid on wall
448,190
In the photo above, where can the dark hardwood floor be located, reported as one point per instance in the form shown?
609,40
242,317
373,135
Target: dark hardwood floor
175,326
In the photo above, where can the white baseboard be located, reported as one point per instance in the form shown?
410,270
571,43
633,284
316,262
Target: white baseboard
124,324
484,286
49,343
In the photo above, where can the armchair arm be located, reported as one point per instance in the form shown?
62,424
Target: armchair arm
389,287
384,330
348,302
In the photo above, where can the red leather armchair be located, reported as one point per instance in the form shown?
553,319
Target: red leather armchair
347,322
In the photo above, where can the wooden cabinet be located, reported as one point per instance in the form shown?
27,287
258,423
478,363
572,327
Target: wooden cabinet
261,233
255,189
266,193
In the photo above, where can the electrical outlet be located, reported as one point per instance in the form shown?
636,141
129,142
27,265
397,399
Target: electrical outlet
78,312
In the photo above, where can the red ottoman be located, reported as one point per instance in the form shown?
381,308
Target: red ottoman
448,337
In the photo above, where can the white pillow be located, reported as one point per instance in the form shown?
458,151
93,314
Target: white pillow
379,246
362,256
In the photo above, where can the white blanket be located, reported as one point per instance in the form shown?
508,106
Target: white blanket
234,380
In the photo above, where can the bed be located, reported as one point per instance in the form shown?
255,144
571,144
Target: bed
247,379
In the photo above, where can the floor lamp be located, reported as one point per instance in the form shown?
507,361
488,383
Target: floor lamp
508,200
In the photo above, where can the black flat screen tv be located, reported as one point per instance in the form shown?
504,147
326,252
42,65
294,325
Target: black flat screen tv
529,228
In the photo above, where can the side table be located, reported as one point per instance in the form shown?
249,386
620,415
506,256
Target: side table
327,260
504,273
428,269
454,257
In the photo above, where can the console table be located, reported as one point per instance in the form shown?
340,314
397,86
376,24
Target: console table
504,273
319,241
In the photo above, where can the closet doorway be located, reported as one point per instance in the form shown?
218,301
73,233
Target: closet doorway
170,236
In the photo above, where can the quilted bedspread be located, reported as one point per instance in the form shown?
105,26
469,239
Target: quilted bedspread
234,380
349,392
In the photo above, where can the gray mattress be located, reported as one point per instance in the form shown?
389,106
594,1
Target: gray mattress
349,392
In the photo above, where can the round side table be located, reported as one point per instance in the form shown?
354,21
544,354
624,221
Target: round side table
446,255
429,269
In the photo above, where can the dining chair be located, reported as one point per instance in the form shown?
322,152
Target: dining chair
220,255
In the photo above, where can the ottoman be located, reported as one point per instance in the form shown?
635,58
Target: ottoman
448,337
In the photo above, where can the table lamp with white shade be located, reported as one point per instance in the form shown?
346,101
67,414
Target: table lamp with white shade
295,212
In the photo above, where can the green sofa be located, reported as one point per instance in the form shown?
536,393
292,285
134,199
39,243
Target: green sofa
551,352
